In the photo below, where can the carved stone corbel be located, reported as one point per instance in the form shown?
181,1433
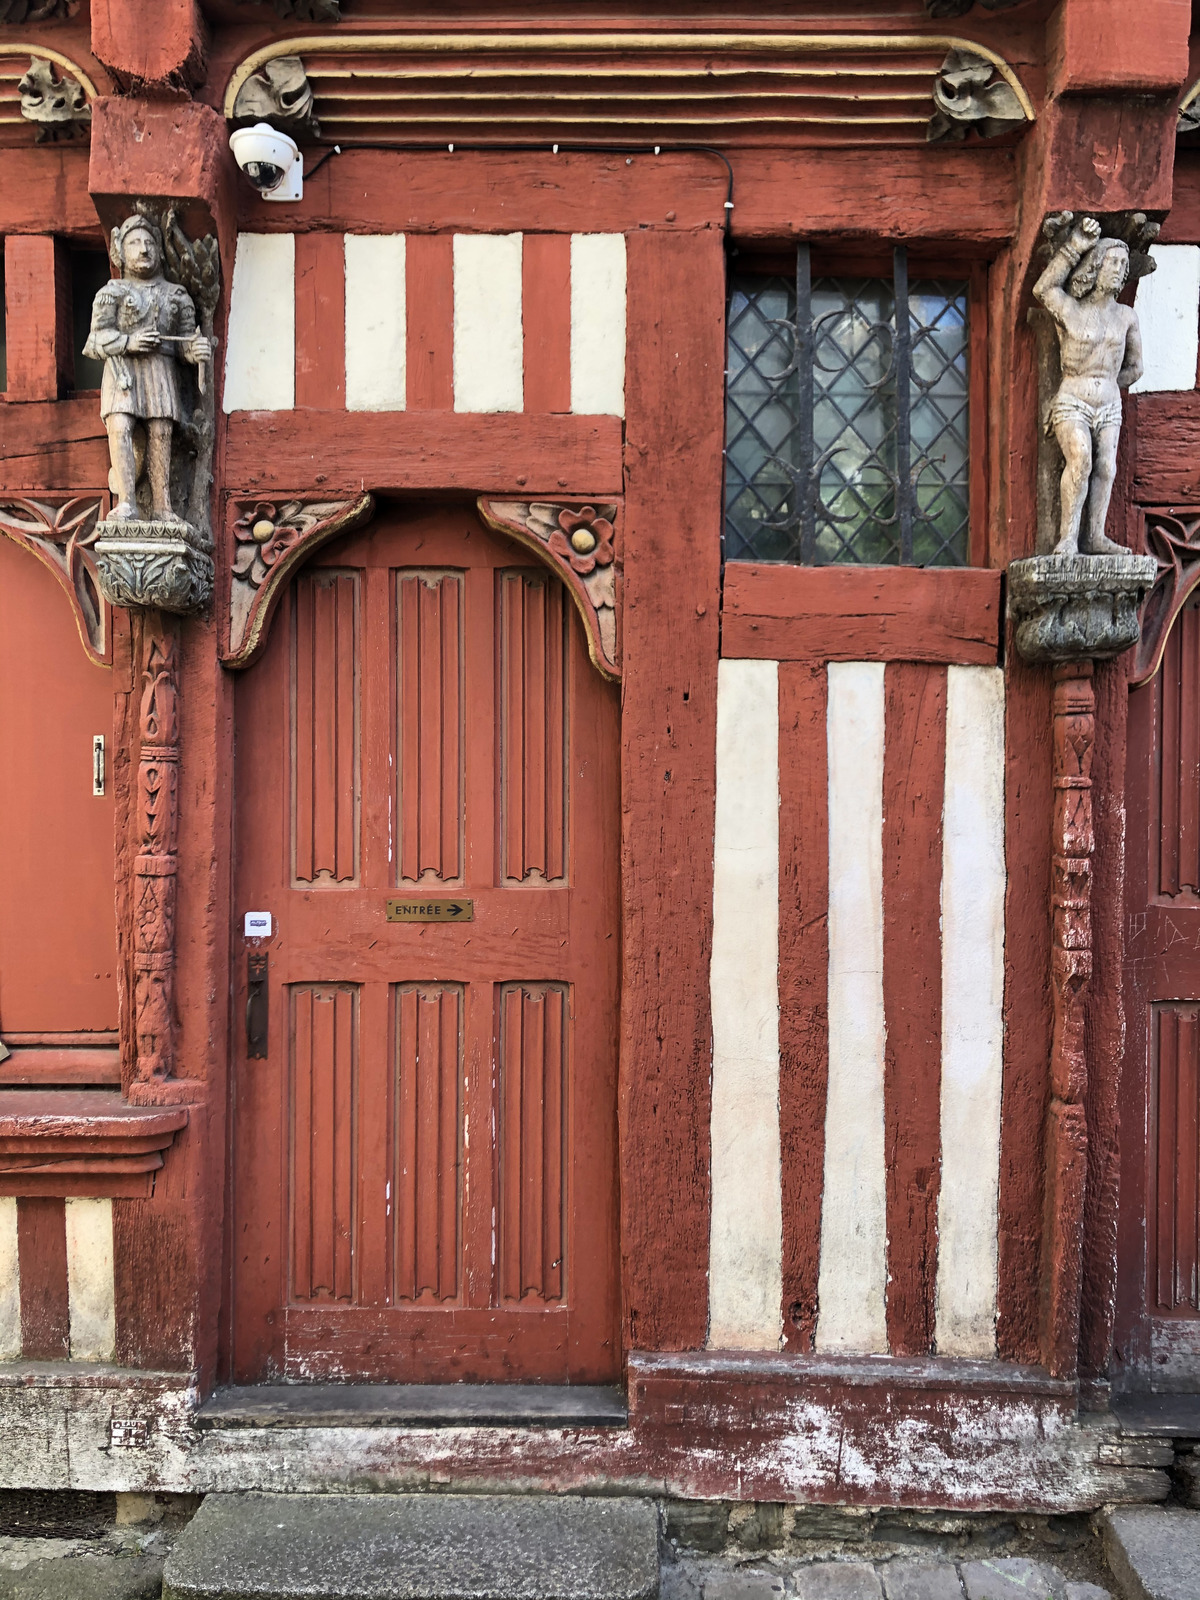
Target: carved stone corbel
269,539
968,93
303,10
55,102
580,541
15,11
1077,607
58,532
959,8
279,93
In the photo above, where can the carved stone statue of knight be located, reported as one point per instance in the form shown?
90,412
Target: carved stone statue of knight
154,397
142,327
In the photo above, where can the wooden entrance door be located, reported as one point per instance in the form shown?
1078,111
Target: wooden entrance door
424,1162
1161,1110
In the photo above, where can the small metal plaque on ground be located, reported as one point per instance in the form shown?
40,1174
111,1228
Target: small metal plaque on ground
431,910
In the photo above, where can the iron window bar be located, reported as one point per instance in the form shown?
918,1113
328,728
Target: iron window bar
881,493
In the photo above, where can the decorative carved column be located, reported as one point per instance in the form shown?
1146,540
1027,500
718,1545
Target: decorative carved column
1069,611
1072,842
156,863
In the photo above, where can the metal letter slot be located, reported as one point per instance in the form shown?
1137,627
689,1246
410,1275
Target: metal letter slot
256,1007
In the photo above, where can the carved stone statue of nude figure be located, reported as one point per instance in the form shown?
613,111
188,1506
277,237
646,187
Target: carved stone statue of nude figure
142,325
1101,352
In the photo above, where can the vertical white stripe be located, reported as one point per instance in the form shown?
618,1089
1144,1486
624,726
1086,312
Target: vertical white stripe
91,1292
598,324
1168,308
376,327
853,1272
746,1246
260,348
10,1282
489,339
972,1011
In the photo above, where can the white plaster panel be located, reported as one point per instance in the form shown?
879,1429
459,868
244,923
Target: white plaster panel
973,881
853,1270
90,1287
746,1245
376,326
10,1282
1168,308
489,340
598,324
260,353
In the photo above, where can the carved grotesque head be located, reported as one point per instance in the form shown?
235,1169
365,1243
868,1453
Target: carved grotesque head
137,248
1106,266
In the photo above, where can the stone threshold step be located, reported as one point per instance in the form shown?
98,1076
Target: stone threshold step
416,1547
1160,1416
414,1405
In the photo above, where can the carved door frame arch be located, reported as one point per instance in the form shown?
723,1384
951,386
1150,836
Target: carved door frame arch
268,540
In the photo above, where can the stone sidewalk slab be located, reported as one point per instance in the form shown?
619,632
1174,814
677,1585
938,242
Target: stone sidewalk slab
1012,1578
416,1547
838,1580
87,1577
1154,1554
921,1580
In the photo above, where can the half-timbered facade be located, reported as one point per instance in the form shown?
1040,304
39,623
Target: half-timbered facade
571,867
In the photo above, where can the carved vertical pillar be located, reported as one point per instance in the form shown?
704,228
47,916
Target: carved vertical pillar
155,866
1070,972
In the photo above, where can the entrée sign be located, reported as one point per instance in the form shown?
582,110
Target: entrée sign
431,910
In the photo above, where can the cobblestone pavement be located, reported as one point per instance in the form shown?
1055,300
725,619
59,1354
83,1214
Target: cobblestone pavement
113,1548
838,1577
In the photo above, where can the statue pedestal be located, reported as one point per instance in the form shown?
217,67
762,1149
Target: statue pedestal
1068,608
167,565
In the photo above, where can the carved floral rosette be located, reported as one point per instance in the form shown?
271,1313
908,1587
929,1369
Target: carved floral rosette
1074,607
269,540
164,565
580,541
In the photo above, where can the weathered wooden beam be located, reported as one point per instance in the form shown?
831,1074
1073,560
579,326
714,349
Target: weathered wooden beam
1168,449
150,44
52,444
787,613
37,300
342,451
1095,47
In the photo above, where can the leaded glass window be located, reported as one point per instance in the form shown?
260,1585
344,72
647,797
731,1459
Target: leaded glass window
846,413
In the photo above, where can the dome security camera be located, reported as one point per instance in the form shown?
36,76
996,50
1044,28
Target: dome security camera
270,160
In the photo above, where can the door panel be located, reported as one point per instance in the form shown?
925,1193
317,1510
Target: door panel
424,1164
1173,1194
1159,1318
58,929
431,735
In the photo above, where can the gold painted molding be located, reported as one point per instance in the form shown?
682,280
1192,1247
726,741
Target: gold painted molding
12,47
450,44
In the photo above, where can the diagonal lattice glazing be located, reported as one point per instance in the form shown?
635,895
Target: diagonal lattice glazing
847,426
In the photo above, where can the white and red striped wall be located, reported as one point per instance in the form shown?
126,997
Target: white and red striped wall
57,1285
482,323
857,994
